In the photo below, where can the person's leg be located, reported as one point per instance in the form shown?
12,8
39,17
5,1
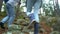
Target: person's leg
30,3
11,15
36,9
36,27
5,19
11,20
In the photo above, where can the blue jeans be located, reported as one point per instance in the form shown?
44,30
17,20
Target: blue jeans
36,4
10,14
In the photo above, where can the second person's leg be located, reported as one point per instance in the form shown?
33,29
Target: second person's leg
11,14
30,4
36,9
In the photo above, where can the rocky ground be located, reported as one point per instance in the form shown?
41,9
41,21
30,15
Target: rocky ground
20,27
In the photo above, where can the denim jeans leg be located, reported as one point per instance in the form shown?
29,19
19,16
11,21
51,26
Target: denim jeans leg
36,9
30,4
11,12
5,19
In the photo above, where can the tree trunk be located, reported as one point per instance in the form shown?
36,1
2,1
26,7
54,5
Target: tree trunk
56,8
1,1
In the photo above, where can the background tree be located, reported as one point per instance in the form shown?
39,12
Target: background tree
1,1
